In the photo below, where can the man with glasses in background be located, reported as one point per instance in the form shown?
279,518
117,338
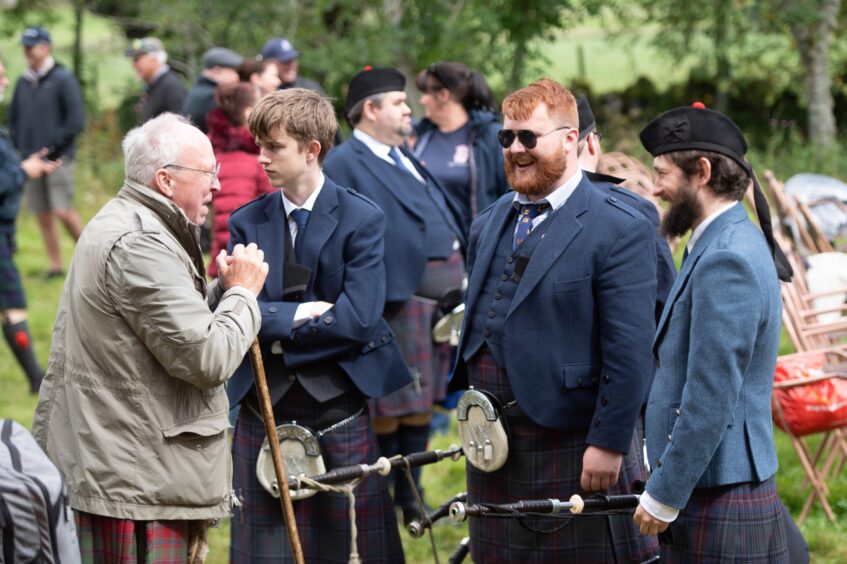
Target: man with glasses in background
133,408
558,324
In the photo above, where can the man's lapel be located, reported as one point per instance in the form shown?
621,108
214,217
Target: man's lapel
322,223
272,238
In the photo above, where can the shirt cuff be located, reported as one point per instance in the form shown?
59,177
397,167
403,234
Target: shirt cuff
303,314
657,509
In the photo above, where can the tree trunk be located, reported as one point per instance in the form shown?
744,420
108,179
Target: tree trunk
79,7
722,67
813,40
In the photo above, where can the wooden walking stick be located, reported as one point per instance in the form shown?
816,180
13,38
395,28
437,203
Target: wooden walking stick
276,455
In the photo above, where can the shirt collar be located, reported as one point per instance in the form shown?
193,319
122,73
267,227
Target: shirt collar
378,148
557,197
695,235
309,204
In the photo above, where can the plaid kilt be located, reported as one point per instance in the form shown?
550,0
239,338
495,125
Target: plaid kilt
113,541
11,290
258,531
736,523
545,463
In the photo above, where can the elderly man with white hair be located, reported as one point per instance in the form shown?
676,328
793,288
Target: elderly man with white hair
133,409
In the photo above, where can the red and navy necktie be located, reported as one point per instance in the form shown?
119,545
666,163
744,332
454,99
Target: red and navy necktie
526,214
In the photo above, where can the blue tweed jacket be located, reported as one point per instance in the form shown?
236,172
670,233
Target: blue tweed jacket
709,416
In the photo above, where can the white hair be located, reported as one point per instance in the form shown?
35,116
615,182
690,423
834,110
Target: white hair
160,56
152,146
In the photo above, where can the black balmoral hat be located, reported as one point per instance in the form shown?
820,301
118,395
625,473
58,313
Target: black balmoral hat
697,128
373,81
587,123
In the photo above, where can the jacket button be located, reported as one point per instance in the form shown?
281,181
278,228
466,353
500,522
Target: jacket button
612,199
329,319
510,260
579,381
371,345
384,338
491,315
291,377
313,331
606,378
678,411
486,333
272,309
604,402
670,437
658,463
504,277
498,296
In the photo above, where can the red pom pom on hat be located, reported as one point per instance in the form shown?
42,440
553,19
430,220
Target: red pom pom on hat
367,68
699,105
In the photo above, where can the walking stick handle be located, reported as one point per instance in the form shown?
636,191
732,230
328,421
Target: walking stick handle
276,455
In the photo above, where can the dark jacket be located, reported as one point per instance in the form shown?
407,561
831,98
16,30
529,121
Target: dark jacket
200,101
166,94
488,176
12,178
583,307
48,115
343,248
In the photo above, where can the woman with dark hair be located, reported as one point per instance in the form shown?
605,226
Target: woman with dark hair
457,139
261,73
242,178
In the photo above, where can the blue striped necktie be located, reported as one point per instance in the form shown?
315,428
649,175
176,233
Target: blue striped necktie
301,218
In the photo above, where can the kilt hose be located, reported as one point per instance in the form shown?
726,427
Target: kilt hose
736,523
11,289
323,521
106,540
546,463
411,322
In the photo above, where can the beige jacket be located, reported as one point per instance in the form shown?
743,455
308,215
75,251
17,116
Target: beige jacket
133,409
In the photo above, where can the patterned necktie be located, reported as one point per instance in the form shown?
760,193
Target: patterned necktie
301,218
527,213
394,153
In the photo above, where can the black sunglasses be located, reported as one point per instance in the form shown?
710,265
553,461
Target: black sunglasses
528,139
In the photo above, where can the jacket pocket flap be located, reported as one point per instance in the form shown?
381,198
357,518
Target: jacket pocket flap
208,426
581,375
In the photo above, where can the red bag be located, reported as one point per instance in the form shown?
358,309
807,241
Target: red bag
810,408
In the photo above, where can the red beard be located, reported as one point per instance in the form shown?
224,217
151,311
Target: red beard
548,171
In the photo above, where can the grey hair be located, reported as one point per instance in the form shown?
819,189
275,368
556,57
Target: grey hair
152,146
355,115
161,56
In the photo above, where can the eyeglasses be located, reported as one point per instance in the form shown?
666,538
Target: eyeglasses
214,173
528,139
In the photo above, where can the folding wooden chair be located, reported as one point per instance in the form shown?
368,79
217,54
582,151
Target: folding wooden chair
829,458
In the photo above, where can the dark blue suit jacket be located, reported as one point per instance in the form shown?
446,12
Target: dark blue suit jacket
342,246
353,164
578,332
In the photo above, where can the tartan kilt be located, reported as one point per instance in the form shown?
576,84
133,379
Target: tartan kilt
113,541
11,290
546,463
411,322
323,523
736,523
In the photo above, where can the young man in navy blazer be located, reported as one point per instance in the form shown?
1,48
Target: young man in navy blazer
709,431
558,318
324,343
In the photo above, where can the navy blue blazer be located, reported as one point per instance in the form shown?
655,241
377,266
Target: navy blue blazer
709,414
577,334
342,246
353,164
665,266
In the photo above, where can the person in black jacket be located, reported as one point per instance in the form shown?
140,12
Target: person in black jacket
220,66
164,90
46,113
13,174
457,139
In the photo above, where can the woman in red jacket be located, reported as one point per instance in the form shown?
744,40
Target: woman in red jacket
241,177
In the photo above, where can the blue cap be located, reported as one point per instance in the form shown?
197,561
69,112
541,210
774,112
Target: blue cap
281,49
35,35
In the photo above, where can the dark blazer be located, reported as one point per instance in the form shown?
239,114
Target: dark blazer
353,164
577,334
342,246
709,416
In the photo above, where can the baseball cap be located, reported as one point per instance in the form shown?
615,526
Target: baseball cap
281,49
144,46
35,35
